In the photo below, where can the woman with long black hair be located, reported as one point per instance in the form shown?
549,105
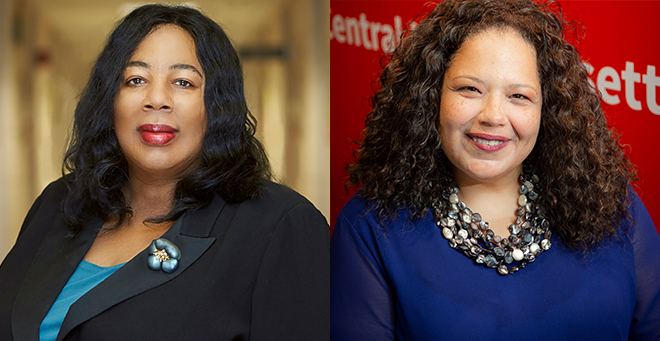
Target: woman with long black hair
166,225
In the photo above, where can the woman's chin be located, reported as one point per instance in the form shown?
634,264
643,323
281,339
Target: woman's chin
158,169
163,167
489,172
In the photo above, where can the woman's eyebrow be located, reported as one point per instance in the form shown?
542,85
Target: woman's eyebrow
186,67
474,79
525,86
139,63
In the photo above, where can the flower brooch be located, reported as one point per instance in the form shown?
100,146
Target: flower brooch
163,255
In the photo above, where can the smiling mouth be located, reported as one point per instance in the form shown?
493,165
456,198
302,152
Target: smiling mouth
486,142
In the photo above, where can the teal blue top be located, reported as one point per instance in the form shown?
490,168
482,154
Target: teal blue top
84,279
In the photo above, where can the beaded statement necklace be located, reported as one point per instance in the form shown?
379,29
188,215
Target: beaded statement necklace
467,233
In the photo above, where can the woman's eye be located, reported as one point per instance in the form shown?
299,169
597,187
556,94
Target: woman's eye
135,81
470,88
519,96
182,82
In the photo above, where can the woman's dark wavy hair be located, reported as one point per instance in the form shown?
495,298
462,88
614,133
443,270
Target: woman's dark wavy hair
584,172
233,162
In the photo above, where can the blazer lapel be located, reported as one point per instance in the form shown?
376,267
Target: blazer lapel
190,234
57,258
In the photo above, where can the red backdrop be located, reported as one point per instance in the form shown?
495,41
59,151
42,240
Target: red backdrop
621,46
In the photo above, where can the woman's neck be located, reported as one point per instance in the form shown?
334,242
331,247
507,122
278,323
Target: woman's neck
496,201
149,197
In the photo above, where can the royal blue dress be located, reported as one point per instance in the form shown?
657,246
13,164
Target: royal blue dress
404,282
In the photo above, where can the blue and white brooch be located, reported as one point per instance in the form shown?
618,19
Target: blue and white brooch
163,255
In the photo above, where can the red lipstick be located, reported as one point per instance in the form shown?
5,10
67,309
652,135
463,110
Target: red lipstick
489,143
157,134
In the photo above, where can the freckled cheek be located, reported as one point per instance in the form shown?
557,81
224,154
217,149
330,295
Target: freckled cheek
527,126
454,116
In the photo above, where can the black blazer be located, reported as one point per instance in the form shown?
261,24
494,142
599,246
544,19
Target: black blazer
257,270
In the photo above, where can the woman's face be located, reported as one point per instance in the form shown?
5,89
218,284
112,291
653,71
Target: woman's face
490,110
160,118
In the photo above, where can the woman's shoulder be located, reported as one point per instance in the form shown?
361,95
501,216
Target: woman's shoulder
357,207
51,195
280,197
275,192
637,209
278,200
45,207
360,213
643,229
55,189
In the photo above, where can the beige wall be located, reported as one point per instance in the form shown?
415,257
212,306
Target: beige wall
8,135
43,69
292,100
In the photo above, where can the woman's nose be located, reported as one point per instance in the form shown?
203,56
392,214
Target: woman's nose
157,97
492,113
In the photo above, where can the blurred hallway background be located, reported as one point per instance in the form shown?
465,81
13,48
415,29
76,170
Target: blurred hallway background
47,49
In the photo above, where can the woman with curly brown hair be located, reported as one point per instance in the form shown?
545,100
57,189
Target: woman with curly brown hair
495,201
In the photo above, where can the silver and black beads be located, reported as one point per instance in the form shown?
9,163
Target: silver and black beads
468,233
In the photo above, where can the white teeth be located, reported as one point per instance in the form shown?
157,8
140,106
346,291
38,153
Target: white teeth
488,142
